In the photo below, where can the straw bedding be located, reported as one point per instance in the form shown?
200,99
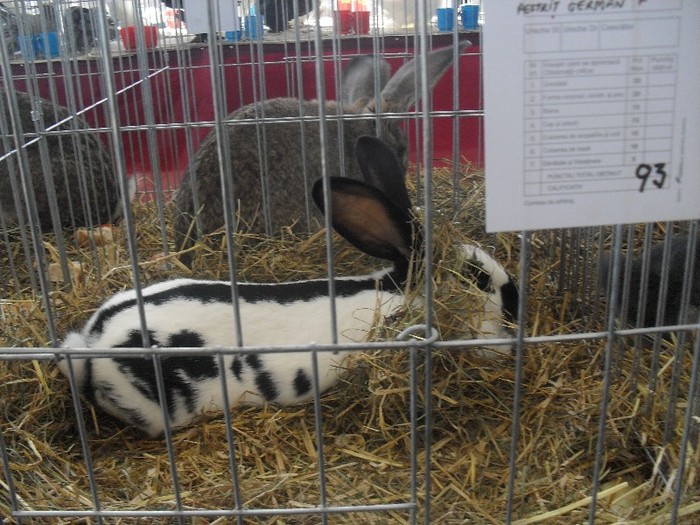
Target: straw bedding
366,418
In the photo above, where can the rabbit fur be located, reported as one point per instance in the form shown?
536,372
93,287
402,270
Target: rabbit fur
676,275
290,166
374,215
86,189
80,25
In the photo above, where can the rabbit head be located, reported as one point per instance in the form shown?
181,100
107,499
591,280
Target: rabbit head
80,27
493,313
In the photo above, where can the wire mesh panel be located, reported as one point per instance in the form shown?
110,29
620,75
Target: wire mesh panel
246,280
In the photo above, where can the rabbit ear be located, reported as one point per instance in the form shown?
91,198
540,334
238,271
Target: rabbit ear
399,94
380,168
357,88
367,218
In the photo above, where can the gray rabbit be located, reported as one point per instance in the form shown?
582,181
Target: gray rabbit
86,190
674,283
292,161
80,25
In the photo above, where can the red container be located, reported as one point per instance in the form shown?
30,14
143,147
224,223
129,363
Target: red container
343,22
172,18
128,34
361,22
351,22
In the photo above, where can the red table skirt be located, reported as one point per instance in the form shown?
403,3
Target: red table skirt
180,82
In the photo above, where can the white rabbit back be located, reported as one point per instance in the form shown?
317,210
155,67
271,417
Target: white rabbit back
125,386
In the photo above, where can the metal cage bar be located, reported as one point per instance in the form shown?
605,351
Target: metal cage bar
109,115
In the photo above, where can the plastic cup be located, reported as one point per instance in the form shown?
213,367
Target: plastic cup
233,36
445,18
28,46
361,22
470,16
48,44
254,27
128,36
343,22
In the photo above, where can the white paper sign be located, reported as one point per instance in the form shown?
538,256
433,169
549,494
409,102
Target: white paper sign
197,17
592,112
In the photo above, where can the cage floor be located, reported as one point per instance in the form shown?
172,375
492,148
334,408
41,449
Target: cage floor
367,427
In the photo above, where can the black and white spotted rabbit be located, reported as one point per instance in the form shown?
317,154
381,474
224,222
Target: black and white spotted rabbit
292,159
375,216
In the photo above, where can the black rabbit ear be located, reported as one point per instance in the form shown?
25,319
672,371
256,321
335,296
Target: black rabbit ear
367,219
380,168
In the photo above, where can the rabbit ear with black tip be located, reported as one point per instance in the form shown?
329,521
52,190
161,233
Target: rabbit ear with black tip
357,87
367,218
400,94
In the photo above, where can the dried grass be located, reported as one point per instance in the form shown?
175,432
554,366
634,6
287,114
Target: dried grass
366,419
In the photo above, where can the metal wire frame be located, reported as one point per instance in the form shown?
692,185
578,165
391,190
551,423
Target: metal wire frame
113,128
578,275
623,292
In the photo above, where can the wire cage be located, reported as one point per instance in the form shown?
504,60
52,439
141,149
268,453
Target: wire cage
529,377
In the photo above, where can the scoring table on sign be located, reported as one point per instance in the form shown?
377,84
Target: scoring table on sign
599,124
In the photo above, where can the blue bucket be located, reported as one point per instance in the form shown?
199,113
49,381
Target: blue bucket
28,46
254,27
445,18
470,16
48,44
233,36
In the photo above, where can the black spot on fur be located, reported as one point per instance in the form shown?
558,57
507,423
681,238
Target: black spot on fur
509,294
198,368
135,340
266,386
133,415
186,338
476,270
142,369
179,376
279,13
88,387
253,361
302,383
237,367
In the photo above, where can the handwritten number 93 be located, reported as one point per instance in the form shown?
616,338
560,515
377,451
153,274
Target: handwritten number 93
656,174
